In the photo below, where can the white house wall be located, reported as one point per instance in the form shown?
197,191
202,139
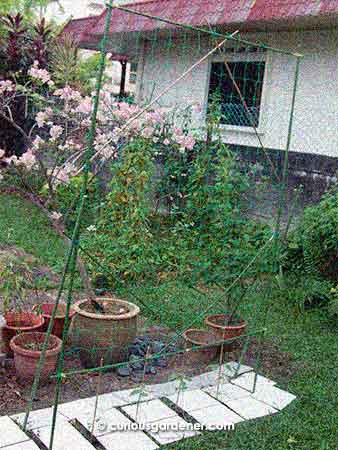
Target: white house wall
77,8
315,123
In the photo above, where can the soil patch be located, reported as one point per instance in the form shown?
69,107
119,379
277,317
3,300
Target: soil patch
275,364
102,307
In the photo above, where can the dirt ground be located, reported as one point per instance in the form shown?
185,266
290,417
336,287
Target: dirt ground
275,364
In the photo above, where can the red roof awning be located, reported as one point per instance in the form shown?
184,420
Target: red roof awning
211,12
199,13
80,30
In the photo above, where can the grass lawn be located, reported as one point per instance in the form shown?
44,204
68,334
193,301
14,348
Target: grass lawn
23,225
309,423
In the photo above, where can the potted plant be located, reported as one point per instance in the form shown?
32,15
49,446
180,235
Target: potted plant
46,309
228,325
205,339
16,277
104,328
27,348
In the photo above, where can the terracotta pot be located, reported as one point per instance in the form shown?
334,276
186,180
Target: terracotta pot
223,332
195,337
17,323
104,336
26,360
59,320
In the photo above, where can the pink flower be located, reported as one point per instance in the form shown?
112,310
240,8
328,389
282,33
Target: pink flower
185,142
67,93
101,117
85,123
190,142
100,139
55,216
12,159
156,117
148,132
135,124
107,152
55,132
37,142
64,173
180,139
166,141
85,106
28,160
6,86
41,75
41,118
177,131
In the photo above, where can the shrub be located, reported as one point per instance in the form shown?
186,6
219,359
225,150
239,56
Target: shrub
305,291
121,238
333,302
20,45
313,246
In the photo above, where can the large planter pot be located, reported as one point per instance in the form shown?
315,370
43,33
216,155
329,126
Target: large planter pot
105,335
59,319
27,351
216,324
195,337
17,323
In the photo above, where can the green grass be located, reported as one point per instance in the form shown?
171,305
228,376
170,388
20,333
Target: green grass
23,225
307,424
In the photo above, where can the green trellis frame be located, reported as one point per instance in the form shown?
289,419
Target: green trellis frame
71,258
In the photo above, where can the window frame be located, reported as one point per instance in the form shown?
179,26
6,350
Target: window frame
243,57
133,73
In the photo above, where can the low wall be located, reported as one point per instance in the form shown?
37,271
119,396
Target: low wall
309,176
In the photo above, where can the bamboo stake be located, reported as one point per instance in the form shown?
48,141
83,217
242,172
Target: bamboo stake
98,389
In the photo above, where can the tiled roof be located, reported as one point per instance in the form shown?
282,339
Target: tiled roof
213,12
199,13
80,29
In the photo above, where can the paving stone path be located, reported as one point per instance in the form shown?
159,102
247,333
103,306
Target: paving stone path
161,416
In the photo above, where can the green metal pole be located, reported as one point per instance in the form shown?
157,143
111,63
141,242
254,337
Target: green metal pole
64,339
282,196
76,231
45,344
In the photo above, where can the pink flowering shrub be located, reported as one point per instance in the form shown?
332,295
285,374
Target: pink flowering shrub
56,140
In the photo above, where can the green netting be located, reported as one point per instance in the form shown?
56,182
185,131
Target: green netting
237,73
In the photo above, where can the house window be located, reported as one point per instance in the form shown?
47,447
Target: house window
133,73
249,77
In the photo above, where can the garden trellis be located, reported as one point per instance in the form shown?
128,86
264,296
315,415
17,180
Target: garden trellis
238,86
